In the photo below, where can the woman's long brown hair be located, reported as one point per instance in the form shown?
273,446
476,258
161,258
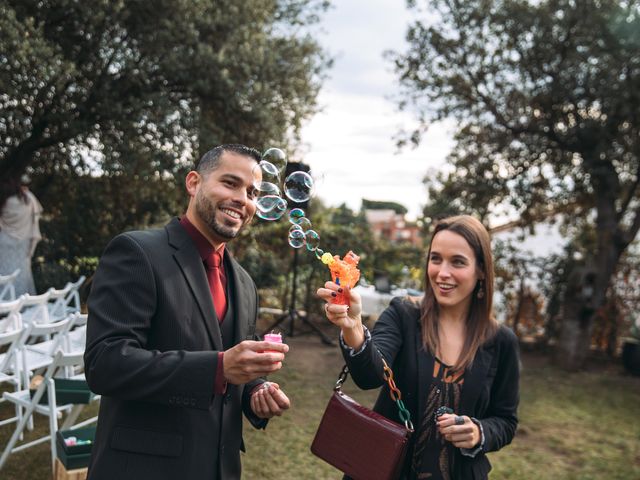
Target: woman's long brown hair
481,325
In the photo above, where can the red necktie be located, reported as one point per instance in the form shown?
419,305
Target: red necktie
215,284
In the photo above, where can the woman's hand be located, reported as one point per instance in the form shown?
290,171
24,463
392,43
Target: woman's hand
347,317
459,430
344,316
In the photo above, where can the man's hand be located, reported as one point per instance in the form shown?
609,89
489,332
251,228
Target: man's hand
249,360
268,400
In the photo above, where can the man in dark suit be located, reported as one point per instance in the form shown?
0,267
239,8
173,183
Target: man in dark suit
171,343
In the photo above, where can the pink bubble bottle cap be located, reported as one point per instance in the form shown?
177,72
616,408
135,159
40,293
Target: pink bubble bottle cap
273,337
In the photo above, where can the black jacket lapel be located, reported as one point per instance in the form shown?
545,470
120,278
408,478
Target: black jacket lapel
475,378
424,361
190,264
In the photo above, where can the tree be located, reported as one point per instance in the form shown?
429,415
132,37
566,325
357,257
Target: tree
547,99
383,205
132,92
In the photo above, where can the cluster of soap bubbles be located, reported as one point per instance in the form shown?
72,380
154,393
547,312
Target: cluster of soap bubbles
301,233
271,205
298,186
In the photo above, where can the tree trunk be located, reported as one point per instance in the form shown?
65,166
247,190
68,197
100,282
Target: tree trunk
588,284
518,311
577,319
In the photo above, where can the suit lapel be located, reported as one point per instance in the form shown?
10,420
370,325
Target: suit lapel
240,295
475,378
424,361
190,263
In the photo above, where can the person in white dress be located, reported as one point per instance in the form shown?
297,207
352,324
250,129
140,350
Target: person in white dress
19,234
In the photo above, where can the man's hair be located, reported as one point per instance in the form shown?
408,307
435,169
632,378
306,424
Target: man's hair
211,159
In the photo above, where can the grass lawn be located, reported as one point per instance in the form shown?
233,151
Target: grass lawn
581,426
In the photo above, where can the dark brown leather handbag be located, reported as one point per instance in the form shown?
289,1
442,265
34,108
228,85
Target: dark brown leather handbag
360,442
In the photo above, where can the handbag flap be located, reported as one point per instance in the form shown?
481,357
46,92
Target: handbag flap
360,442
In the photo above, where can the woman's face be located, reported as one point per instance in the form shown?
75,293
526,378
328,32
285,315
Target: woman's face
452,270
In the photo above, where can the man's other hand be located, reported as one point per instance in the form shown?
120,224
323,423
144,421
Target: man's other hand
268,400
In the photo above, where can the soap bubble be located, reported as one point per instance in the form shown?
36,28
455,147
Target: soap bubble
298,186
296,238
276,157
270,207
319,252
312,239
265,172
267,188
295,215
296,227
304,223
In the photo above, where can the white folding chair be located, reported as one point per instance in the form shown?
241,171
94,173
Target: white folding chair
76,338
56,304
10,318
10,366
73,297
37,347
11,334
32,404
7,288
35,309
37,354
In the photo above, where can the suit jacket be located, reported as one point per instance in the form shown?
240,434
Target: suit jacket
490,392
152,351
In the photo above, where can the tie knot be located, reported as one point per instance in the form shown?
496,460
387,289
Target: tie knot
213,260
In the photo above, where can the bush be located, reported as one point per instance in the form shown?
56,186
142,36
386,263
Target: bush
56,274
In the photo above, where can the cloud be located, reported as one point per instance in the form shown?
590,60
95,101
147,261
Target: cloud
350,145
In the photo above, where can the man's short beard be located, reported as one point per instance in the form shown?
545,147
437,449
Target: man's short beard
206,210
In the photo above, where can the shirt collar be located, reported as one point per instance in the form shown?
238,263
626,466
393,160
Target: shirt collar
205,249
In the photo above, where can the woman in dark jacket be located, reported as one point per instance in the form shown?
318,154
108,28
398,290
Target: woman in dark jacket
447,353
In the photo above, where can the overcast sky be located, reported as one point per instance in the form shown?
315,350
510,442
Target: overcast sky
350,145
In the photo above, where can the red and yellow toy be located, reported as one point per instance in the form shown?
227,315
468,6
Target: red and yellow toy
343,272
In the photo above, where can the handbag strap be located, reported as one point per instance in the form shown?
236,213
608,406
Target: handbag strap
394,392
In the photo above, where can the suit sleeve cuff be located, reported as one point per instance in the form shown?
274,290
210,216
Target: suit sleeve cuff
472,452
220,385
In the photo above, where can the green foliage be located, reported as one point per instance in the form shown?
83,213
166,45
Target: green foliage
136,83
382,205
546,98
57,274
547,107
82,213
265,252
537,94
107,103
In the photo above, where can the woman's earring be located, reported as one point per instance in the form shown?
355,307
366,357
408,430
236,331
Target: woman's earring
480,293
